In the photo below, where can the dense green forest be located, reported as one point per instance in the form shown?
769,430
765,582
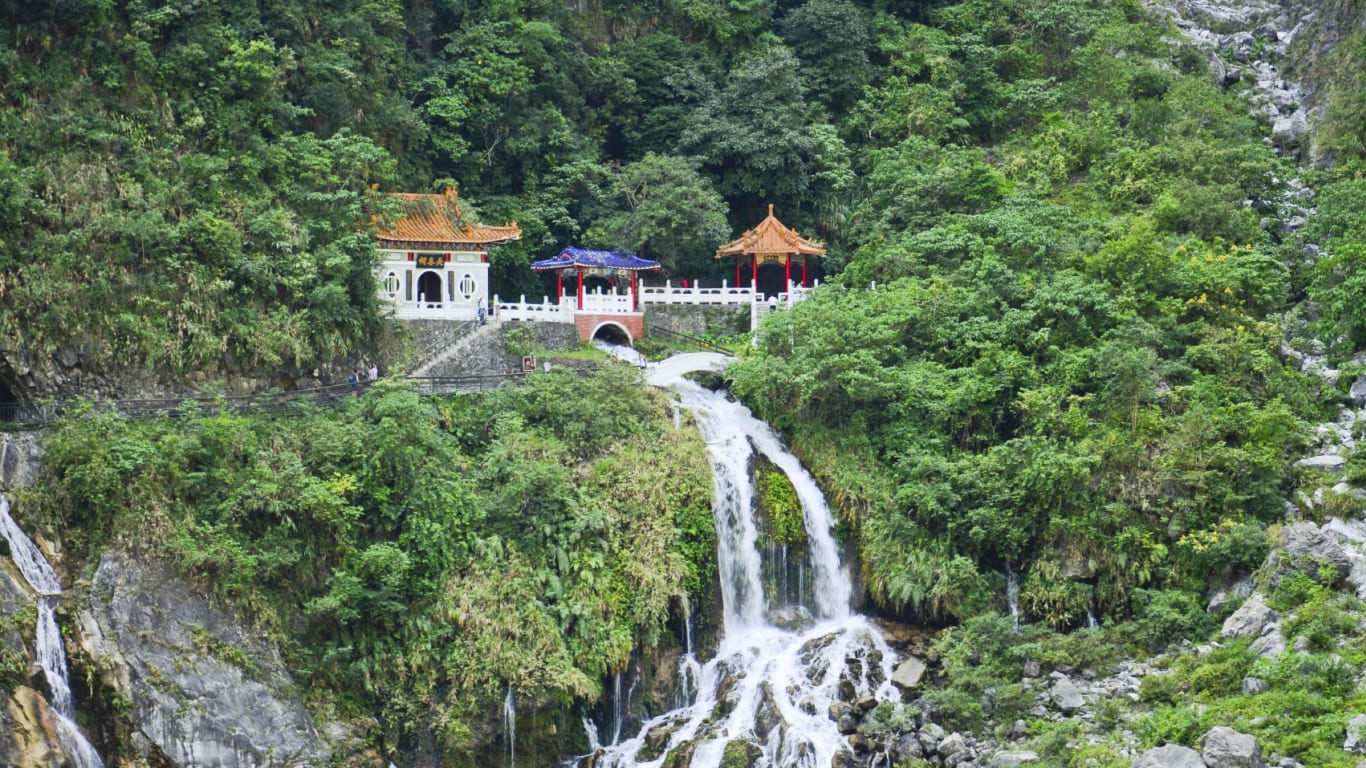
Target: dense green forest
1050,338
416,558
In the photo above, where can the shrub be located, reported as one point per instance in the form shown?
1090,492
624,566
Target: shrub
1163,617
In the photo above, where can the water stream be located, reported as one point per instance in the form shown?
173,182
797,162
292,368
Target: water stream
778,669
1013,593
47,638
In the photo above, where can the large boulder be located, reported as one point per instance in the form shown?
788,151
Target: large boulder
1356,736
202,690
1330,462
1224,747
1170,756
1249,620
909,674
1065,696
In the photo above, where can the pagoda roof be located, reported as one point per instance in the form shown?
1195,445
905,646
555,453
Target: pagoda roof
575,257
437,219
769,237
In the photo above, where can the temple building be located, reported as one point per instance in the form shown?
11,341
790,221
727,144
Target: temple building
774,250
435,264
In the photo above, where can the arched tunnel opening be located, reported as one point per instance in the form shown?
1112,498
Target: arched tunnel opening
613,334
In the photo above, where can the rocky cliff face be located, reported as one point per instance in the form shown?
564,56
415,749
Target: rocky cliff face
1277,54
201,688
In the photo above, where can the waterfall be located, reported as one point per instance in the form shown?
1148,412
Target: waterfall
772,686
1013,593
510,726
47,638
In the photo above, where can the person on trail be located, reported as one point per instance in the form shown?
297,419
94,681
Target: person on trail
772,302
482,312
354,380
374,372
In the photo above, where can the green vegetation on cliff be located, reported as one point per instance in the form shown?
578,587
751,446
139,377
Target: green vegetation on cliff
416,557
1069,359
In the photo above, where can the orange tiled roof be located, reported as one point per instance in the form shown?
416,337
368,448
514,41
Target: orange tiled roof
437,219
768,238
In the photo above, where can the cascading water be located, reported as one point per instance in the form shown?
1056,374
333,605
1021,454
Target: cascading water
47,638
510,726
1013,593
770,686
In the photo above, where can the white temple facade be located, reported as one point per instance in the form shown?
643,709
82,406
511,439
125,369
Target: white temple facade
435,265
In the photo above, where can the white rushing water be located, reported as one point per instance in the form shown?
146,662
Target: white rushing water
769,685
1013,593
47,638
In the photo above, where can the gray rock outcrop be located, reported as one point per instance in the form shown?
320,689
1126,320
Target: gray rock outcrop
1249,620
202,690
20,459
1170,756
1307,548
1224,747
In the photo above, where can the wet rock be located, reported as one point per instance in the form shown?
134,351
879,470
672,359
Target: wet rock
909,674
847,724
1032,668
202,690
657,738
1224,747
28,737
1065,696
742,754
1356,736
1170,756
866,703
1249,620
769,714
844,759
847,691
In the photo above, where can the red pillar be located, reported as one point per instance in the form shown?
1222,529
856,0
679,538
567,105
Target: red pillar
787,272
580,271
635,294
737,271
754,271
805,284
559,286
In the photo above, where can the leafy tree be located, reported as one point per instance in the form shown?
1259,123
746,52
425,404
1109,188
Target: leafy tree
671,214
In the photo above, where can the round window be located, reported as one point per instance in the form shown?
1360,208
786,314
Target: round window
391,284
467,286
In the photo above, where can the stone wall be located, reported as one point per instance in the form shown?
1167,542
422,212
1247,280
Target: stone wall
488,355
721,320
21,456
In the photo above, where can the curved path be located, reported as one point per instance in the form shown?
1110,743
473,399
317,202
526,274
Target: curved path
675,367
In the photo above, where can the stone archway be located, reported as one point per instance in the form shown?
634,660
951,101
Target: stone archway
429,287
613,333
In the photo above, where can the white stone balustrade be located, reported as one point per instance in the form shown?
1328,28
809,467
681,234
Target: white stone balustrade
544,312
726,294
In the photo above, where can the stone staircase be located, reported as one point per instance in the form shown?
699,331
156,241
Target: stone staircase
434,358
